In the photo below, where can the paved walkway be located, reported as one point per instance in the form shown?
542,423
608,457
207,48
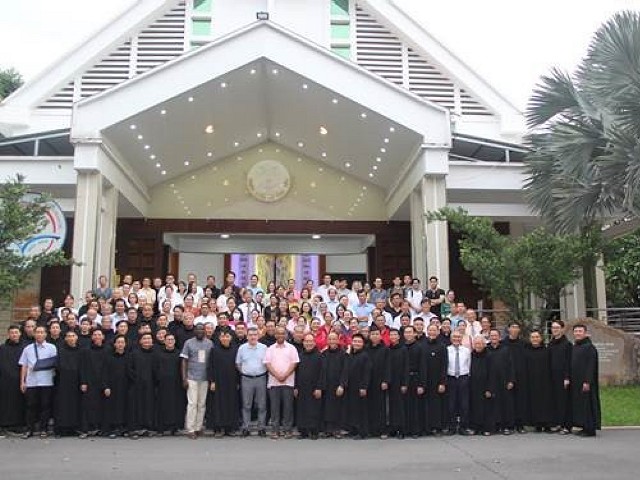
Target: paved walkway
614,454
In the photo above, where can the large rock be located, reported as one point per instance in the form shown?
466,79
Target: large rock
618,352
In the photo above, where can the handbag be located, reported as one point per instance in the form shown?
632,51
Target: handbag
45,363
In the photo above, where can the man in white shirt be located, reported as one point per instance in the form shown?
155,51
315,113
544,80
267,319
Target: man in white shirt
473,325
206,316
332,300
425,311
414,295
324,288
458,368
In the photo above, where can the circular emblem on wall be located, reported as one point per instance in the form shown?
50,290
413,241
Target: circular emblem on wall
268,181
52,236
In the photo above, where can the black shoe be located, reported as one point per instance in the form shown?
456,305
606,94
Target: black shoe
507,431
313,436
467,432
262,433
27,434
245,433
400,436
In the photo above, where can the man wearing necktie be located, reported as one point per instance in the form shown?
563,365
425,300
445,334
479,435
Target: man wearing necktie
458,383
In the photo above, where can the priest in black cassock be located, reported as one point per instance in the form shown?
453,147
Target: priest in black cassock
538,378
357,389
11,398
116,387
398,384
171,401
560,356
380,373
142,398
482,387
68,397
309,386
585,391
92,385
334,359
417,381
504,378
436,380
223,399
516,348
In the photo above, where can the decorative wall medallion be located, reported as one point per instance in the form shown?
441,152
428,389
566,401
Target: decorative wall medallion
268,181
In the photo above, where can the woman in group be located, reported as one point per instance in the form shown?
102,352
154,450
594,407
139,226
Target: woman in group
309,385
560,358
306,311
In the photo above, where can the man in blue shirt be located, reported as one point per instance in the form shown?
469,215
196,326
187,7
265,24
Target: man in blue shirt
37,385
253,371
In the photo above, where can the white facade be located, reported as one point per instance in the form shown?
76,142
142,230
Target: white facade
172,102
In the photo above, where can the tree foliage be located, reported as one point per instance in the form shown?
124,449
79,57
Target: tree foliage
19,221
10,81
622,270
511,269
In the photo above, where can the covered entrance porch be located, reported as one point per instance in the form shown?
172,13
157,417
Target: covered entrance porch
260,132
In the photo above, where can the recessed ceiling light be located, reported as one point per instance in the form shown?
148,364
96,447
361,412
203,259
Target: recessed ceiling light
186,163
190,99
132,127
209,154
235,144
299,159
300,144
152,157
147,147
259,135
163,172
334,101
223,85
225,182
224,236
391,129
193,177
371,175
375,167
277,134
158,165
323,130
363,115
347,165
163,112
305,86
321,169
364,187
316,237
383,150
324,154
274,71
140,137
378,159
252,71
239,158
386,140
209,129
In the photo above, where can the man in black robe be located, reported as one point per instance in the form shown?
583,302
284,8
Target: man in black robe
417,381
223,414
309,385
92,386
560,356
334,359
68,397
142,404
398,384
380,373
11,398
116,387
504,378
585,391
436,381
357,389
481,389
171,401
516,348
538,378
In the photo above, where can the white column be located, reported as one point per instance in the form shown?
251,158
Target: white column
601,290
572,302
434,195
85,229
418,236
106,241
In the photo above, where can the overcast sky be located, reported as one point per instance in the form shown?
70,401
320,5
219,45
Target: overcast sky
509,42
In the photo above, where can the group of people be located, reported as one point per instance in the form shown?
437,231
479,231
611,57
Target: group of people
151,358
